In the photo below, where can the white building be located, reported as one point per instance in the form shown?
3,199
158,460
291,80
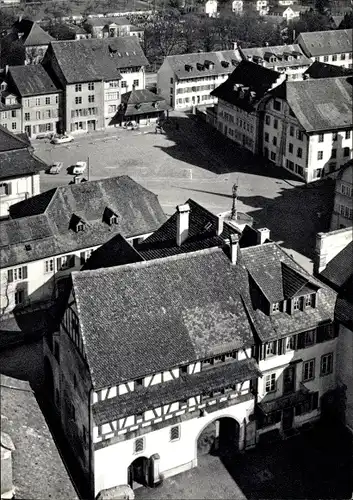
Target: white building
288,59
211,7
342,215
187,80
237,6
237,112
19,172
334,47
55,232
307,126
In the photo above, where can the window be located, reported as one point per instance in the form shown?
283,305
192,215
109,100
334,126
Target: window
112,108
291,131
27,117
139,445
320,155
275,123
91,98
273,156
49,266
334,153
5,189
19,297
296,304
277,105
175,433
334,57
57,351
139,383
113,85
274,141
71,411
326,364
321,137
112,96
13,114
123,84
345,151
299,152
290,147
78,100
266,137
78,87
47,100
270,382
171,80
291,343
325,58
335,136
300,135
309,300
13,126
56,99
38,101
308,370
268,120
343,57
309,338
136,83
65,262
91,86
17,274
84,434
275,307
309,405
270,349
37,115
348,134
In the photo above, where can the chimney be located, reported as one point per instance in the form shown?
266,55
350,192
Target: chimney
233,244
183,212
263,234
6,69
220,222
235,45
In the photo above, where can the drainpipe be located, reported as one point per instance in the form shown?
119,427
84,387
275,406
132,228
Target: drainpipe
90,443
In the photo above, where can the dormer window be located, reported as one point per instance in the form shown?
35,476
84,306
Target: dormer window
276,307
270,349
309,300
296,304
80,227
77,224
110,217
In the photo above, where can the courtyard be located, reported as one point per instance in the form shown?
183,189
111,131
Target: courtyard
192,160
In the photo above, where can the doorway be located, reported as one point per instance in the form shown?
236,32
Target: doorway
138,472
28,130
91,125
220,437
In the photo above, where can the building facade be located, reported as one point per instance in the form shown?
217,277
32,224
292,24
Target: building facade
187,80
10,110
342,215
333,47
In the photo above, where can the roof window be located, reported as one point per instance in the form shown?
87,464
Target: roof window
225,64
188,67
110,217
200,66
77,224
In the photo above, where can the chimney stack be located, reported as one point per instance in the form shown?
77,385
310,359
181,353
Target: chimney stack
183,212
233,244
263,234
220,223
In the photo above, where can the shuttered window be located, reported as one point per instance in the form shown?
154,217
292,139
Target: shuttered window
175,433
139,445
17,274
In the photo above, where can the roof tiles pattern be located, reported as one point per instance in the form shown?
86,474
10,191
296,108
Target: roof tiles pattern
32,79
319,43
223,63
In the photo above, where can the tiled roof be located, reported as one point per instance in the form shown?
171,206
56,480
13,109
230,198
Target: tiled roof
128,325
97,59
116,251
323,70
140,102
251,75
32,79
222,63
137,209
175,390
265,264
344,311
280,51
202,234
10,141
320,43
34,35
339,270
320,104
104,21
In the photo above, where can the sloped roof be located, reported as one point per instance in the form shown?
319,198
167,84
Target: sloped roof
178,62
320,104
10,141
33,34
97,59
140,102
323,70
279,51
251,75
339,270
122,311
137,209
116,251
104,21
32,79
320,43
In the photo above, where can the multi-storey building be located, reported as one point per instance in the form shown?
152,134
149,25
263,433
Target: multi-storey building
288,59
308,126
334,47
260,6
93,74
54,233
104,27
19,174
10,109
237,111
161,407
237,6
39,98
342,215
187,80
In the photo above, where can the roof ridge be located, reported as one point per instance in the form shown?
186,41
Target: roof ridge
13,136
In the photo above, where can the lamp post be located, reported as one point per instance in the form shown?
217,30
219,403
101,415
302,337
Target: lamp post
234,214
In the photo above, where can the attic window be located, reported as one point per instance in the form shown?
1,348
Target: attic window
309,300
110,217
200,66
225,64
156,104
275,307
207,226
188,67
77,224
80,226
28,247
234,62
138,105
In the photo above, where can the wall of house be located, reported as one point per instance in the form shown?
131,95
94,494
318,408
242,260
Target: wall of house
132,78
11,119
112,100
237,124
345,369
328,245
196,91
20,188
343,59
111,462
342,215
166,86
85,107
41,114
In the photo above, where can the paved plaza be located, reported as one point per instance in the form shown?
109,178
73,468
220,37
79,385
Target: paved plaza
195,161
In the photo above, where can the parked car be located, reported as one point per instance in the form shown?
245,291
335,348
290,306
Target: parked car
131,125
79,167
77,179
62,139
55,167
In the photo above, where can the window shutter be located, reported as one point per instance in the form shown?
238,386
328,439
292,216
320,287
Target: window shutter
9,188
24,272
315,401
82,258
301,340
281,343
71,260
10,275
58,263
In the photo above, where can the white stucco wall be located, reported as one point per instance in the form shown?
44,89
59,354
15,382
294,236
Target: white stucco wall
328,245
21,189
345,369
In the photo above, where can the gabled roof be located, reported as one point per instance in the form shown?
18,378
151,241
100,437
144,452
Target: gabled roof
33,34
320,43
10,141
116,251
319,104
140,102
339,270
223,63
279,51
97,59
202,234
323,70
251,75
122,311
32,79
137,209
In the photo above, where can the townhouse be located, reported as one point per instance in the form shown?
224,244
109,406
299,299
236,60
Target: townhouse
19,172
104,27
237,112
10,109
334,47
53,233
342,214
333,264
187,80
39,98
142,106
237,6
308,126
288,59
160,406
93,75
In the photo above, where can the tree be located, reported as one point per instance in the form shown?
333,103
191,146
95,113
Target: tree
310,21
323,7
163,36
54,10
347,22
61,31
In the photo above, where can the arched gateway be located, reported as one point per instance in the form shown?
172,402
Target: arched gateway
219,437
